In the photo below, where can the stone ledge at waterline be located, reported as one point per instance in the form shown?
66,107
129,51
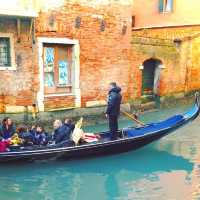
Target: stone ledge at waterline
92,115
95,114
176,99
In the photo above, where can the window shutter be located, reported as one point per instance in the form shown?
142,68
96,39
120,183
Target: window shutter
161,5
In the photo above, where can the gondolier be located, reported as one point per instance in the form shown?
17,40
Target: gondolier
113,108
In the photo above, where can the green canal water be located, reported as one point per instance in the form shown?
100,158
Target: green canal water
167,169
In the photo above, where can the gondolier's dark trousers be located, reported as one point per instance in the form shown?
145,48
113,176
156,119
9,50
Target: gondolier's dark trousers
113,125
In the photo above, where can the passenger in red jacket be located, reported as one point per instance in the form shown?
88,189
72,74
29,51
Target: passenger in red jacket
4,144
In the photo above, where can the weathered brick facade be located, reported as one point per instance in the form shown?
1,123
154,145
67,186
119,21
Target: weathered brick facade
167,31
104,39
16,86
105,49
104,54
180,59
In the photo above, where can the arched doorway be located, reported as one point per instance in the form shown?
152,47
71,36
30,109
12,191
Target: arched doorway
151,76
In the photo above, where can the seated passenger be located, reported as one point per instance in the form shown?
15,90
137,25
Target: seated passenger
40,136
68,127
16,140
58,134
25,135
62,132
7,129
32,129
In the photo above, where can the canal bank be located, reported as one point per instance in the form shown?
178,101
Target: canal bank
95,115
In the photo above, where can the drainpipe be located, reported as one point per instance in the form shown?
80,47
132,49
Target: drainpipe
32,34
25,114
188,65
34,112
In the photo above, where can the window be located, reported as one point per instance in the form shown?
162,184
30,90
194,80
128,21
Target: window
165,6
57,68
7,60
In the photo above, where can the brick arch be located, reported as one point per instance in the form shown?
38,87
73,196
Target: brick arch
158,60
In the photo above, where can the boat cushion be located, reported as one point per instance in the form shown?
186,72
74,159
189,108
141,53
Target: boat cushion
153,127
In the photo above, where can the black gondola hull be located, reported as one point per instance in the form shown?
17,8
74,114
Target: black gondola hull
103,148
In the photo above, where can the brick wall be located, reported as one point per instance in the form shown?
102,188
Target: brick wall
109,51
59,102
16,87
181,61
104,55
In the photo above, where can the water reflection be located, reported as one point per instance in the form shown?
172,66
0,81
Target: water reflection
167,169
112,177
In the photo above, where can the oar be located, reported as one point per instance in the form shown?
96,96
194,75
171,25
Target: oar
132,117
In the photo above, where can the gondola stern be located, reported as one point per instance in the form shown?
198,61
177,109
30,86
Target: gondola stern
194,112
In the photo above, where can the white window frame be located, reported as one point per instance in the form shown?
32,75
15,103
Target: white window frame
12,52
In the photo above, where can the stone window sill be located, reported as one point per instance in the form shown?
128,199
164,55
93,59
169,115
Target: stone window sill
7,68
59,95
166,12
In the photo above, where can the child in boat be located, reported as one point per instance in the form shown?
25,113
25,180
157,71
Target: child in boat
25,135
40,136
7,128
16,140
69,126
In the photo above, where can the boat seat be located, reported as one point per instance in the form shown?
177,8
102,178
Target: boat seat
153,127
123,133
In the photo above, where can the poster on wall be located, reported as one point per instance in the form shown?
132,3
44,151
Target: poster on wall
49,80
49,59
63,76
49,66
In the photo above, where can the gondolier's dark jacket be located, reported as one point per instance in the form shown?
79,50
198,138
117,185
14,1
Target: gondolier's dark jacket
114,101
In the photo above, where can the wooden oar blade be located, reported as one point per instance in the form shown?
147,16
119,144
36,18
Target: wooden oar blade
132,117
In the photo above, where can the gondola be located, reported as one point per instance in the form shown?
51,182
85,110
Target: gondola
131,138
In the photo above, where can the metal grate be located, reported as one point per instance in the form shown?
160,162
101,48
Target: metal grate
5,59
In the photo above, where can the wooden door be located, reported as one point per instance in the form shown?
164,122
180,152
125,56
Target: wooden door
57,68
148,77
